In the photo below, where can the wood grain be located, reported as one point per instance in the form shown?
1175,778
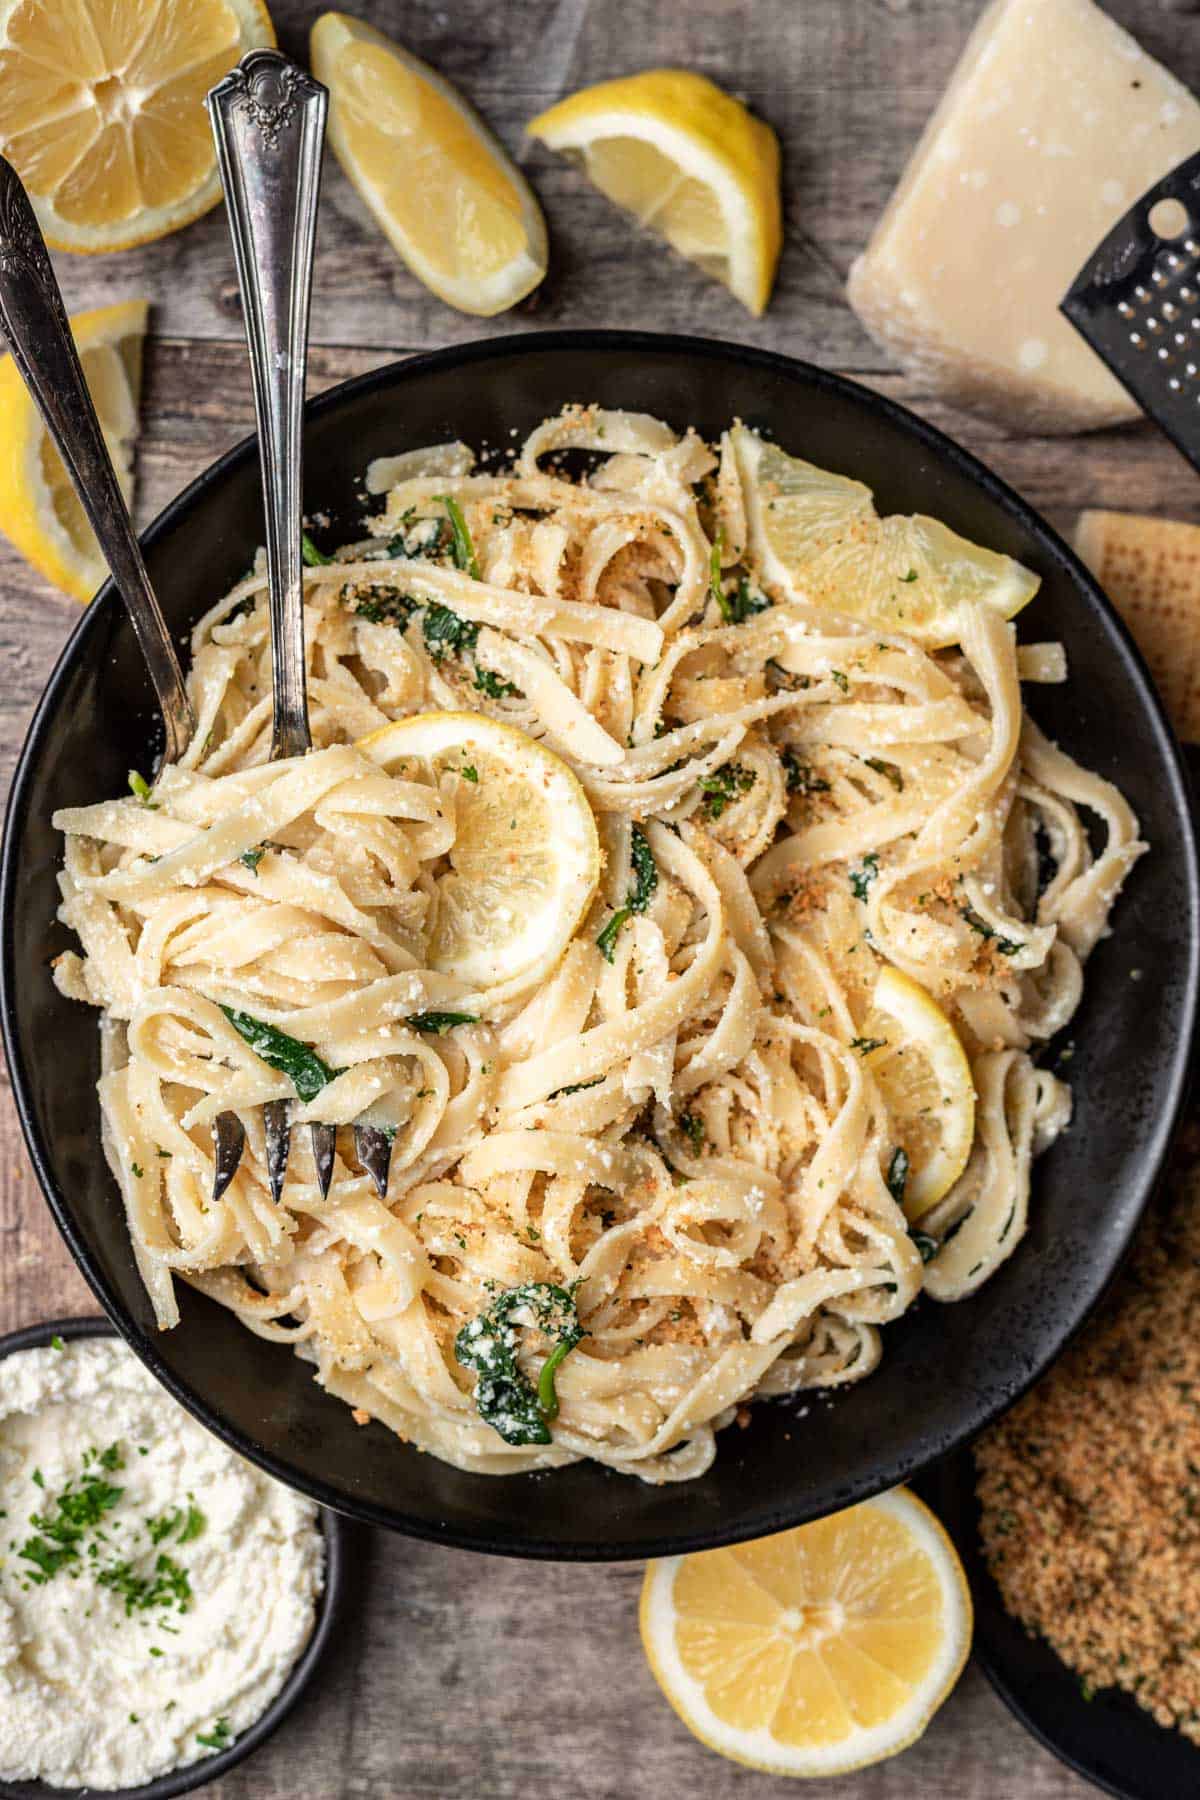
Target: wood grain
459,1676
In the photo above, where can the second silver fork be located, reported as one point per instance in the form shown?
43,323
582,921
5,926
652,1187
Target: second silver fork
268,121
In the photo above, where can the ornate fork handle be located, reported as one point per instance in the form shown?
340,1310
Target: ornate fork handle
268,120
35,323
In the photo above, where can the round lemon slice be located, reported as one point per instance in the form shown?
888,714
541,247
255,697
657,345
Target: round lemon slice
102,110
688,161
443,191
817,1651
816,536
39,510
526,855
922,1070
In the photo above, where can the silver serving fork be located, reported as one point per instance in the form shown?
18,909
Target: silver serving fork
268,122
34,320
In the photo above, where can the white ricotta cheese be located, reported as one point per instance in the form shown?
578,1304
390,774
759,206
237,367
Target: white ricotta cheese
182,1604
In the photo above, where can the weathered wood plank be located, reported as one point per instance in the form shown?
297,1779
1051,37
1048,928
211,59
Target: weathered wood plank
847,86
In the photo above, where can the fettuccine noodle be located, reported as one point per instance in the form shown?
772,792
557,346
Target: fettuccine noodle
687,1138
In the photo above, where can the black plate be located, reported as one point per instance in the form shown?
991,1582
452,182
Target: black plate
209,1768
1109,1738
946,1370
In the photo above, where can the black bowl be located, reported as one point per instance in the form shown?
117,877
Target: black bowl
946,1370
208,1768
1108,1738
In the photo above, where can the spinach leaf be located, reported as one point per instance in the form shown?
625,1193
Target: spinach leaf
862,877
464,549
800,776
439,1023
743,603
504,1397
723,786
493,685
299,1062
446,633
316,559
645,881
1005,946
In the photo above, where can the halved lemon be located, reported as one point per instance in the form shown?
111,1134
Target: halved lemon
816,536
688,161
38,507
526,856
817,1651
923,1072
448,198
102,110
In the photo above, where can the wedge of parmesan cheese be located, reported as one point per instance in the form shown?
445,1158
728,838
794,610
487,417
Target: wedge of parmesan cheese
1150,570
1055,121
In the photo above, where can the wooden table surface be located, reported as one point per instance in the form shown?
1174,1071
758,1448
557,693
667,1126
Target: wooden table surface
458,1675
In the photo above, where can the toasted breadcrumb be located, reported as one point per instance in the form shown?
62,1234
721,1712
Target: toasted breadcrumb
1090,1487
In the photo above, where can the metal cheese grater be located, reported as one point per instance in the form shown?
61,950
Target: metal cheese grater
1137,302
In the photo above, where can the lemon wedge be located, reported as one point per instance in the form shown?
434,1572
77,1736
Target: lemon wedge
923,1073
102,115
817,1651
443,191
38,507
526,856
816,536
688,161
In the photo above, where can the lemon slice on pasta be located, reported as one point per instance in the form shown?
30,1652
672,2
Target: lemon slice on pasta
816,1651
526,856
921,1068
816,536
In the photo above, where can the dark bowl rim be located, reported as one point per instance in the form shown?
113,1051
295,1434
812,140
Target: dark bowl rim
329,1607
940,446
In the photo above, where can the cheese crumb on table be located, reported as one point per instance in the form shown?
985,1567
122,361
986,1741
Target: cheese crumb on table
1055,121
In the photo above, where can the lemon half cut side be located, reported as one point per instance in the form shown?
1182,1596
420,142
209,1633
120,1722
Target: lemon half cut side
102,110
526,857
817,1651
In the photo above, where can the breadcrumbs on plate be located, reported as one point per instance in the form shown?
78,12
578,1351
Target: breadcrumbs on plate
1090,1487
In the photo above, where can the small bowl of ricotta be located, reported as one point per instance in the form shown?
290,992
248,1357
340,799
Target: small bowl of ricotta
163,1603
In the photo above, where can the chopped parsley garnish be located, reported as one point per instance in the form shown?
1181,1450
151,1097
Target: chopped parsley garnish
692,1127
165,1585
137,1171
141,790
439,1023
888,770
66,1521
911,576
645,881
504,1397
842,679
723,786
305,1070
800,776
219,1738
897,1175
469,772
56,1343
252,858
464,549
316,559
493,685
714,571
865,1045
862,877
1005,946
446,633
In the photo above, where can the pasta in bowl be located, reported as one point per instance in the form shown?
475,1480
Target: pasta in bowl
680,885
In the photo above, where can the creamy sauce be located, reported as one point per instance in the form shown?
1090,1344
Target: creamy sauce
155,1590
